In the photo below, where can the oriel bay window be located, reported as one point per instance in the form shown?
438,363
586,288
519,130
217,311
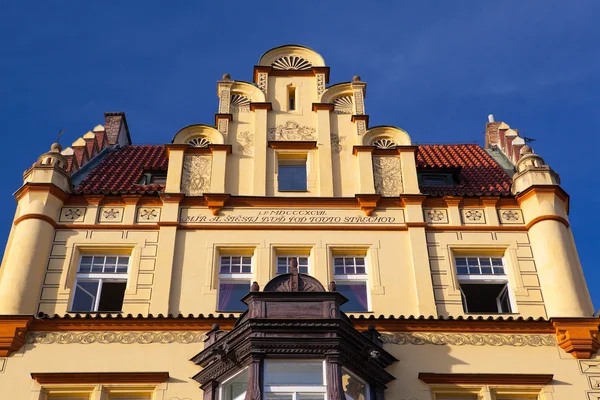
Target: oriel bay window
294,380
100,283
351,279
235,275
483,284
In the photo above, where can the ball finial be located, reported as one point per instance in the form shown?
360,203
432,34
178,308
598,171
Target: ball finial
226,77
56,147
356,78
526,150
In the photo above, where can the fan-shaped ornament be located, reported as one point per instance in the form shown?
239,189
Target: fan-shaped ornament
239,102
291,63
343,105
384,144
199,142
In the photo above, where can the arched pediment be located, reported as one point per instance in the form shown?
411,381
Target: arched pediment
248,90
184,135
284,283
291,57
399,136
339,90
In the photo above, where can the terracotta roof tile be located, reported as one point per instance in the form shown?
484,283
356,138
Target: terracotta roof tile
479,174
122,169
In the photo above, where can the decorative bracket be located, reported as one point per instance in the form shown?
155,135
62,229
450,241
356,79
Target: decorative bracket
216,201
13,333
368,202
577,336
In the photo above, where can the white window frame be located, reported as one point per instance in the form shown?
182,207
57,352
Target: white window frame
355,376
483,279
233,278
295,390
226,381
100,277
297,256
346,279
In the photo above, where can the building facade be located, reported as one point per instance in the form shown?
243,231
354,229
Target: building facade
293,251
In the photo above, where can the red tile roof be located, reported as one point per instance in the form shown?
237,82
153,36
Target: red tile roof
479,175
122,169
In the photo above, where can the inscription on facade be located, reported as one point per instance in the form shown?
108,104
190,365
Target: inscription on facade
262,216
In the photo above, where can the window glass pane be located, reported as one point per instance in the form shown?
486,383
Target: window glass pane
235,389
98,264
310,396
85,296
339,271
462,270
356,293
111,298
279,396
482,298
123,262
230,294
293,372
86,264
292,177
354,387
283,264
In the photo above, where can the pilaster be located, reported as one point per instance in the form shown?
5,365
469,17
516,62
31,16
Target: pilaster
167,237
366,185
175,154
324,152
259,186
219,166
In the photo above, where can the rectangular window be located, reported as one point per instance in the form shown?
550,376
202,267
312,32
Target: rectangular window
100,283
291,174
283,264
291,98
235,276
483,284
294,380
351,279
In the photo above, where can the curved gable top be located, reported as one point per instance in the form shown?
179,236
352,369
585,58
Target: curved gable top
249,90
337,90
198,130
292,50
398,135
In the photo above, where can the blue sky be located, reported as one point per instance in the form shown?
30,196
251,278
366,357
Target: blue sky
434,68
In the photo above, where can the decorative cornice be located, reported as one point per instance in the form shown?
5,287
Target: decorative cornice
218,116
538,189
94,199
46,378
365,149
41,217
261,106
131,199
175,147
292,144
486,379
322,107
362,117
216,201
452,201
172,197
368,202
577,336
209,150
41,187
13,333
547,218
415,199
469,339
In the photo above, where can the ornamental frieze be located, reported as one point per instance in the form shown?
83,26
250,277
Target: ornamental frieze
72,214
387,175
510,216
114,337
469,339
196,175
291,131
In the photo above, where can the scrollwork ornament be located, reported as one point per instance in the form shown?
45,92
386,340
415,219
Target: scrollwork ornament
388,176
474,339
291,131
196,174
114,337
337,143
245,142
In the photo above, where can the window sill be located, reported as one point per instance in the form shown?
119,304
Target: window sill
94,312
294,191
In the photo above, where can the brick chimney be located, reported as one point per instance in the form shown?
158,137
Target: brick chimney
499,136
117,131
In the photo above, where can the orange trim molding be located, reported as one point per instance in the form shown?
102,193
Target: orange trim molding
453,201
533,190
13,333
216,201
292,145
322,106
228,117
548,218
356,149
178,147
210,149
41,187
172,197
46,378
261,106
368,202
486,379
577,336
361,117
35,216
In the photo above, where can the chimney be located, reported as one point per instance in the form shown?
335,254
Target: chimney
101,140
499,137
90,143
69,154
116,128
80,152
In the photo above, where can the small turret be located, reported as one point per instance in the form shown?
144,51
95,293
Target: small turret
51,167
532,170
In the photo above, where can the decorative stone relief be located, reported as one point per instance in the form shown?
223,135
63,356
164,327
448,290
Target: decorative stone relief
589,367
473,216
384,143
320,84
196,175
111,214
435,216
262,81
361,127
387,176
224,101
291,63
245,142
469,339
291,131
239,103
359,99
199,142
511,216
72,214
223,126
148,214
114,337
343,105
337,143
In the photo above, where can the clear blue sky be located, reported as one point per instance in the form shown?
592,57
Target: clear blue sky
434,68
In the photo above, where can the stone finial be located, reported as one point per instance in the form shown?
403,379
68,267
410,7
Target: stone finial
532,170
356,78
55,148
53,158
254,287
294,284
226,77
526,150
332,286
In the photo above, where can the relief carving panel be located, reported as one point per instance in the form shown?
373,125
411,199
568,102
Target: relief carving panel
387,175
196,175
291,131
